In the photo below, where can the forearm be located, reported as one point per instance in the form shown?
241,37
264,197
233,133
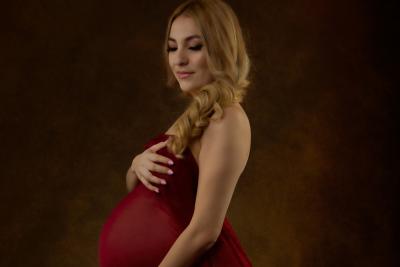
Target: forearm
131,180
187,248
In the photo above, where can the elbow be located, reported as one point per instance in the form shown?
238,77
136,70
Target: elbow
212,235
206,238
210,240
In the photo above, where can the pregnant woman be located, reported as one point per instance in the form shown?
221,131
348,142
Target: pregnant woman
181,185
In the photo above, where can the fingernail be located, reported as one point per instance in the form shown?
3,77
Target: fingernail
163,182
170,162
158,190
170,172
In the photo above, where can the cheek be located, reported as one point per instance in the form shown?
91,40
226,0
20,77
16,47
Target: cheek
206,75
200,61
170,60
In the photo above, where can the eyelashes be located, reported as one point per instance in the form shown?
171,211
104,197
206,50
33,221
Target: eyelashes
194,48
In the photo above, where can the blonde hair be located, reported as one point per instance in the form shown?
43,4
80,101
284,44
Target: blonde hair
228,63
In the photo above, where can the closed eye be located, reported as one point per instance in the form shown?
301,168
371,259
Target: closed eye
195,48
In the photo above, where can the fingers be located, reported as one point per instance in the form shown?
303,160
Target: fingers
147,184
151,178
159,158
159,168
158,146
146,164
146,178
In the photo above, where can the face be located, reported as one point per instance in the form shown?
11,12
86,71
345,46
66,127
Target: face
187,55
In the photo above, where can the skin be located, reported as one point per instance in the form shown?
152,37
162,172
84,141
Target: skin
145,162
188,53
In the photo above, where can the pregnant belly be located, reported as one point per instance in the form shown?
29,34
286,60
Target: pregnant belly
138,232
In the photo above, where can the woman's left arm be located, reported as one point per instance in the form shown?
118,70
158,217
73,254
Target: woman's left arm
225,148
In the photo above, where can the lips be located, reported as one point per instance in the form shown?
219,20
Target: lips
183,74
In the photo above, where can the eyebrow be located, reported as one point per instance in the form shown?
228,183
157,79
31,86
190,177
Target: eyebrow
187,38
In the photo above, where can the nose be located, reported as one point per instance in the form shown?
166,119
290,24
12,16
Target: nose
180,58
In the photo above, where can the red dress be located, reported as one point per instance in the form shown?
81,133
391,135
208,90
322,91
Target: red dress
144,225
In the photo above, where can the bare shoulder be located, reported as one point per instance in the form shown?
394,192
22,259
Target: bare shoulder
234,123
231,133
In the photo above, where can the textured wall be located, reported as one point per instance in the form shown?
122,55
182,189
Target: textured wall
81,92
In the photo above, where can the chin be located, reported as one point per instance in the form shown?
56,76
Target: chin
187,90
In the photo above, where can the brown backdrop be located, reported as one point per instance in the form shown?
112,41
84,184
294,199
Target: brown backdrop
82,92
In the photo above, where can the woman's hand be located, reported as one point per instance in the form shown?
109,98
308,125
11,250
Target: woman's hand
143,163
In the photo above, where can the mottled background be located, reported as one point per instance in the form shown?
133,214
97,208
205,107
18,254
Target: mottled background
82,91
